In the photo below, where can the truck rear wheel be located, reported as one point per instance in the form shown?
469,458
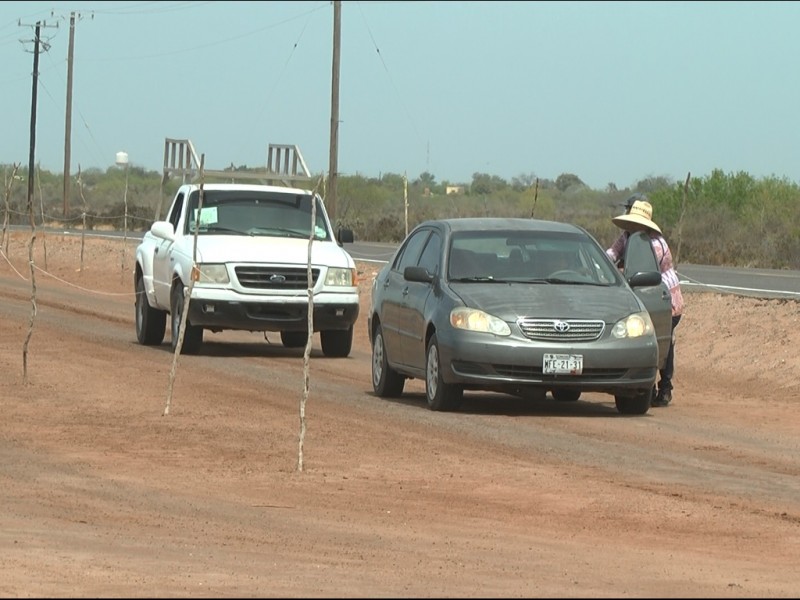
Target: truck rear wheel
294,339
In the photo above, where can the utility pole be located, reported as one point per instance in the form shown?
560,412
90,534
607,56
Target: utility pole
32,154
330,200
35,86
68,119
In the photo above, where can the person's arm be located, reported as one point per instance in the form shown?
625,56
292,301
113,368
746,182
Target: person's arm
617,249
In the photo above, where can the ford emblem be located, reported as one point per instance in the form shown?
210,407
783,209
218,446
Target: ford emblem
276,278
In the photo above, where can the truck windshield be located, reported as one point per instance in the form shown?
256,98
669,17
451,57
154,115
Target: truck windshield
232,212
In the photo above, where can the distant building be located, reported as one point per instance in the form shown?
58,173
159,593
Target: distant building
454,189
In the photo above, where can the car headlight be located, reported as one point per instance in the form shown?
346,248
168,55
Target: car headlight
210,273
633,326
341,277
477,320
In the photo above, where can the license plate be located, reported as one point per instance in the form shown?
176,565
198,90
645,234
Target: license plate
563,364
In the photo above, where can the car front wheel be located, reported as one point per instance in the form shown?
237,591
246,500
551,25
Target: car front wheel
441,396
386,382
636,404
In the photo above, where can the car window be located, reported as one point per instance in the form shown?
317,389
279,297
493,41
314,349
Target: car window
431,253
639,254
525,255
411,250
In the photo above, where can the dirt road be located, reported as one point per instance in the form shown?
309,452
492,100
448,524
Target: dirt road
105,495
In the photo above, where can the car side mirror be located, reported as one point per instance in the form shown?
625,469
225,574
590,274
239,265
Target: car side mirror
418,274
644,279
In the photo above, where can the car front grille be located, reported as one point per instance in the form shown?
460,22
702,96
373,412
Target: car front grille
274,278
536,373
561,330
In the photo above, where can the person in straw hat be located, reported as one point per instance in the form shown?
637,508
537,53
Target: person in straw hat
620,262
640,218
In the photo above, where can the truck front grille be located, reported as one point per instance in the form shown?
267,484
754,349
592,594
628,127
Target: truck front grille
274,278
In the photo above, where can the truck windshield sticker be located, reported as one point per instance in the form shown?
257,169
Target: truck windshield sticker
208,216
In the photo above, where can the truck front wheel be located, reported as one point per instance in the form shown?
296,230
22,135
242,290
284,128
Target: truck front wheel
336,343
193,336
151,323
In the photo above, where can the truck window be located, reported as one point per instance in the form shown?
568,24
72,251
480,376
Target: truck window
255,213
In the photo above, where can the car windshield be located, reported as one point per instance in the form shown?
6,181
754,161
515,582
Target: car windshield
233,212
529,256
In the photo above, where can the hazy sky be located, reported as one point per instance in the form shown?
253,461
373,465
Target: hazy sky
612,92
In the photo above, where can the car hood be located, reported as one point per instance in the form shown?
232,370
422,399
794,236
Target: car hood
509,301
265,249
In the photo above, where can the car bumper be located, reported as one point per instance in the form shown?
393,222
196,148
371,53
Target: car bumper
486,362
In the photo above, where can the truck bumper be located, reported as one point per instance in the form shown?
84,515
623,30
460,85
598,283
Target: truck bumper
270,316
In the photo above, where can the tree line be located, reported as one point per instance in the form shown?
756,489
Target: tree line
726,219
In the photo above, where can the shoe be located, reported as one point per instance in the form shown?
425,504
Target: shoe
663,398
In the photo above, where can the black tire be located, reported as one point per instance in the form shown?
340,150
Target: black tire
441,396
566,395
151,323
636,404
193,336
336,343
294,339
386,382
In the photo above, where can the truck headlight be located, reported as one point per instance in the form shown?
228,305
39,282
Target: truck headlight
212,273
340,277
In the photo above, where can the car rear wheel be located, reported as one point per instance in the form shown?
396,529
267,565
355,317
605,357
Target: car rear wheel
386,382
337,343
193,336
566,395
636,404
441,396
151,323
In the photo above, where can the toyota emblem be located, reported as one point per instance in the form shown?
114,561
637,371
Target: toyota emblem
561,326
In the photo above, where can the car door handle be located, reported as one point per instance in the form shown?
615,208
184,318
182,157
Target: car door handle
405,291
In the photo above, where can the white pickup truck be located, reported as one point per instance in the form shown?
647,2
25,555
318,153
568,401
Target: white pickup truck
250,268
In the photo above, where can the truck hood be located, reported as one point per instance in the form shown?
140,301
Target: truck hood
264,249
509,301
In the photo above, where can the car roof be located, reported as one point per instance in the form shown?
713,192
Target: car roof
459,224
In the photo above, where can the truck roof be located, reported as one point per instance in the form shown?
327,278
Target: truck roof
246,187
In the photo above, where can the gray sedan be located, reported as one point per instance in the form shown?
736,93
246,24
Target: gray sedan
518,306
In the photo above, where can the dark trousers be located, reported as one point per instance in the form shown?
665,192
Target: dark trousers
668,371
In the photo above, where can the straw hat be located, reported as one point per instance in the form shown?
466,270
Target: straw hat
641,213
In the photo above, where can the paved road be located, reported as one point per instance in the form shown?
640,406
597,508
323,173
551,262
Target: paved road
760,283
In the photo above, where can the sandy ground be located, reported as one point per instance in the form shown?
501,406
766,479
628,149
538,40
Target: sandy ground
103,494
